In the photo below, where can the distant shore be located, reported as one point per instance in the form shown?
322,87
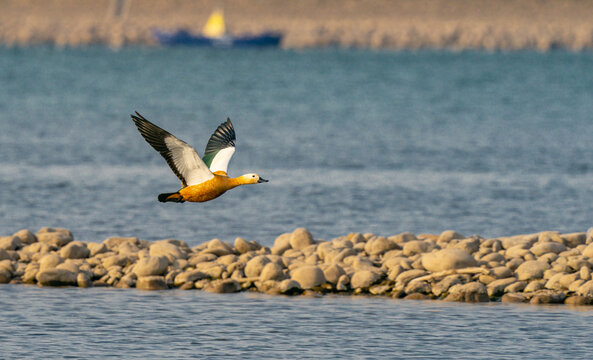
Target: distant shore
392,24
540,268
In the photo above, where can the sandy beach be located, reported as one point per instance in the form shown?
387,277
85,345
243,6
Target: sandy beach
398,24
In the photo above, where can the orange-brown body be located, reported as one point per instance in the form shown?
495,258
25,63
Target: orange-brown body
211,189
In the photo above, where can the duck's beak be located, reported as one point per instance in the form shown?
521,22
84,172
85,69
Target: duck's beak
261,180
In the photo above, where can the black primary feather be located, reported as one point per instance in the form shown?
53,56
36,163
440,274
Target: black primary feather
155,136
222,138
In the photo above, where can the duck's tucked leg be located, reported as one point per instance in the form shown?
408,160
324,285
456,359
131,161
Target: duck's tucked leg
174,197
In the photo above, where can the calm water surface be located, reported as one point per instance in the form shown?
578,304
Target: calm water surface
131,324
483,143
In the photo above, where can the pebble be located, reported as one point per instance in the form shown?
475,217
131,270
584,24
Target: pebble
4,255
25,236
167,249
56,277
538,268
153,282
470,292
415,247
272,271
300,239
497,287
363,279
333,273
308,276
254,267
513,297
10,242
151,265
447,259
74,250
530,270
54,236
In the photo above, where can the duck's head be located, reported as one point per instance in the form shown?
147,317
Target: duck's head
253,179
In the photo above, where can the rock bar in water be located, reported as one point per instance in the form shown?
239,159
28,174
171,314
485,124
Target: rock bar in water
540,268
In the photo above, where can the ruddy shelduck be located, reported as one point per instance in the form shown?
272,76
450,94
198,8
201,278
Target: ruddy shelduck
202,179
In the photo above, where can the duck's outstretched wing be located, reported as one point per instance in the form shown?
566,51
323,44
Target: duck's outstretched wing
221,147
182,158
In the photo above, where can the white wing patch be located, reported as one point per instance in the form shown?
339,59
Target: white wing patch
221,159
187,162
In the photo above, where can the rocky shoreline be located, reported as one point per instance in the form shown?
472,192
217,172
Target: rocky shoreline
392,24
540,268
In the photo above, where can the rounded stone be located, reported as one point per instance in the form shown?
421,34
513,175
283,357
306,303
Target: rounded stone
151,265
449,235
501,272
56,277
4,255
586,289
281,244
223,286
167,249
255,266
113,243
308,276
447,259
333,272
443,286
469,245
574,239
50,261
532,269
588,252
585,273
117,260
127,248
301,238
289,286
380,245
363,279
415,247
496,257
83,280
25,236
75,250
417,287
189,277
405,277
271,271
96,248
219,247
470,292
513,298
497,287
55,236
151,283
578,300
10,242
242,246
547,247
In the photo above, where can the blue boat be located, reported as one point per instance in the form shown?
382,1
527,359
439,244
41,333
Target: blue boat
214,35
184,37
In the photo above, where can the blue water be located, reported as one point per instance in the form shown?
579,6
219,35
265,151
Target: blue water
482,143
131,324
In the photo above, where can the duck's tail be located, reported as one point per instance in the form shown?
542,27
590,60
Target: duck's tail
174,197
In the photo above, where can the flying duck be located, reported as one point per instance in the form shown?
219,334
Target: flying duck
201,179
